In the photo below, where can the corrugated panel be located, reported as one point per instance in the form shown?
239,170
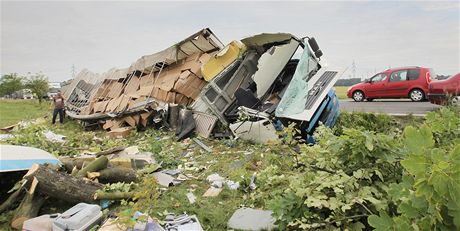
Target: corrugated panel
204,123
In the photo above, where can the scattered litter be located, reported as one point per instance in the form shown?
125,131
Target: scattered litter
172,172
252,219
217,184
191,197
120,132
165,179
232,185
252,184
53,137
182,222
6,136
203,146
212,192
132,150
214,177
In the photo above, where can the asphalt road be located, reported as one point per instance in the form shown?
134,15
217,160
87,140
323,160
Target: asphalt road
392,107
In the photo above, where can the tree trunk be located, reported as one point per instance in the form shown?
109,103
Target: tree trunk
29,207
63,186
94,166
113,175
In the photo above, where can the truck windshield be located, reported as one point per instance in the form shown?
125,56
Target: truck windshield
297,91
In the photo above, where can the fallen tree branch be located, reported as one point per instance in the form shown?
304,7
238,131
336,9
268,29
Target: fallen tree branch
94,166
110,151
29,207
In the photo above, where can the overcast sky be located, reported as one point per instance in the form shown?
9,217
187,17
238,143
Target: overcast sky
52,36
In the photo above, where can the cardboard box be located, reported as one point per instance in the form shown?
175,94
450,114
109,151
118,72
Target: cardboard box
119,132
167,79
145,90
132,85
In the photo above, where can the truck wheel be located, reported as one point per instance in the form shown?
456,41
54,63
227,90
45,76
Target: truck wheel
416,95
358,96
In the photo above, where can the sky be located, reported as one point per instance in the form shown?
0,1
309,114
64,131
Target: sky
51,37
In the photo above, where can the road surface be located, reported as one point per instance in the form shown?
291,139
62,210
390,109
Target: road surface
392,107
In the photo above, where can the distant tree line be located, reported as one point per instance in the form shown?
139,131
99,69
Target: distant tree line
37,83
347,82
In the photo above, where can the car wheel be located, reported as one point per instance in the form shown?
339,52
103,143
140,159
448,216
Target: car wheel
358,96
416,95
456,100
370,99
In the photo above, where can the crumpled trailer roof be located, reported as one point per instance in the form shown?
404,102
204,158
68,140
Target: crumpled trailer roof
81,93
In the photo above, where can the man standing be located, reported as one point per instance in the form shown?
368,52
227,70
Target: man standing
58,100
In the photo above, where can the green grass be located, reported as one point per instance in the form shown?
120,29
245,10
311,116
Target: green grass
13,111
341,92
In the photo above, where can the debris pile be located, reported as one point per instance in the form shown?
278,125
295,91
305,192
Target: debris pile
253,88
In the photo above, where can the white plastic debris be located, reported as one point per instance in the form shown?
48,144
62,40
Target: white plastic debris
214,177
53,137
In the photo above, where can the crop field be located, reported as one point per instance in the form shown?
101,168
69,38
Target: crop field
13,111
341,92
369,171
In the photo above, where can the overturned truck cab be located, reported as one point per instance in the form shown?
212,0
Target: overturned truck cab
265,82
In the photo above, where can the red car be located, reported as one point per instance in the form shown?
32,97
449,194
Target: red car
441,90
403,82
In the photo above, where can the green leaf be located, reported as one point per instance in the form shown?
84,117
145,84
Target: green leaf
415,164
418,141
369,143
381,222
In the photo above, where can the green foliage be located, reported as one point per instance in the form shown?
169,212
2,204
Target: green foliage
337,182
10,83
428,197
38,84
368,121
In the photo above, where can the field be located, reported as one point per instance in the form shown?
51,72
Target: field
359,175
341,92
13,111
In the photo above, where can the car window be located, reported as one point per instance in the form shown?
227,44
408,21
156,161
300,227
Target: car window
379,77
413,74
398,76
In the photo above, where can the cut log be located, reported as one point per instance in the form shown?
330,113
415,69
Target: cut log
113,195
29,207
110,151
113,175
63,186
94,166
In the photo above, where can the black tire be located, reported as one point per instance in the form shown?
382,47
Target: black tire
358,96
417,95
370,99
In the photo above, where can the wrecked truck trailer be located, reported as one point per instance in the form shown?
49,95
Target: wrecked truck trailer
270,79
262,79
171,76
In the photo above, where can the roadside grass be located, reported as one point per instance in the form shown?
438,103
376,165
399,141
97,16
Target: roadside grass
341,92
234,160
14,110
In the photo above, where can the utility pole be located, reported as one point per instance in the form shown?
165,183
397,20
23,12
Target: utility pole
73,71
353,69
